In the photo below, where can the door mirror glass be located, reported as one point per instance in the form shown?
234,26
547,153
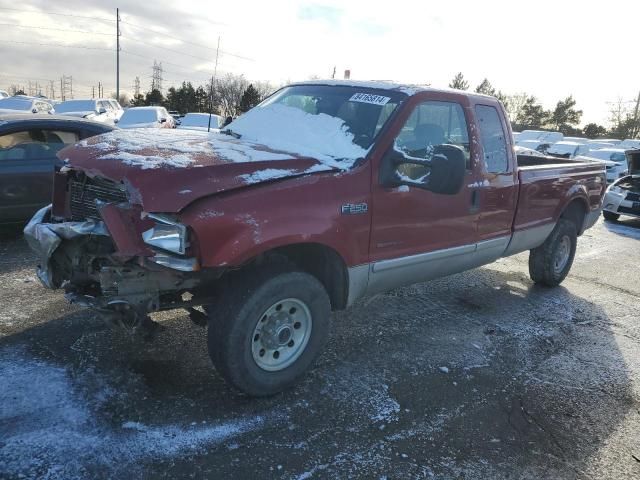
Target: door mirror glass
163,120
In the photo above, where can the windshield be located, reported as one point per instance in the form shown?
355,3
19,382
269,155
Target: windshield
340,122
139,116
76,106
200,120
15,104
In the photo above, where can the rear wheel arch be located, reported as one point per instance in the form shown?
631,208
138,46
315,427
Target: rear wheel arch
576,212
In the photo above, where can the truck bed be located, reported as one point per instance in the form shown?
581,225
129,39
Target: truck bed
546,183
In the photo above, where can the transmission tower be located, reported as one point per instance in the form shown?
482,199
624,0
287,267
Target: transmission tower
66,87
156,76
136,87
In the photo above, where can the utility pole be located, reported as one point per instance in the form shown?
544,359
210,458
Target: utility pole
333,75
213,79
136,87
93,91
53,93
156,76
118,54
61,89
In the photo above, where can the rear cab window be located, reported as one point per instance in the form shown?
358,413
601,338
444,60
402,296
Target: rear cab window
493,138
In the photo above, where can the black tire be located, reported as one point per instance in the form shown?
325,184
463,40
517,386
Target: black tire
610,216
243,302
545,268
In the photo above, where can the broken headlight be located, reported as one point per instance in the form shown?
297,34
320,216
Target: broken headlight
167,234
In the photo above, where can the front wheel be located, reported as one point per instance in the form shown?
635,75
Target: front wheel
550,263
610,216
268,330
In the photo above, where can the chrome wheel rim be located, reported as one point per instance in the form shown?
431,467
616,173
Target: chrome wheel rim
562,254
281,334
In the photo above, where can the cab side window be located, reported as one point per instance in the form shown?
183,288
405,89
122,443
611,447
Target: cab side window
432,123
493,139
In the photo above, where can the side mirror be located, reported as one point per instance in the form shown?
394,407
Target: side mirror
115,120
442,171
163,120
102,110
34,110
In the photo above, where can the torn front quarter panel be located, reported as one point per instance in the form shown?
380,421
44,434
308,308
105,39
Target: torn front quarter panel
44,238
122,223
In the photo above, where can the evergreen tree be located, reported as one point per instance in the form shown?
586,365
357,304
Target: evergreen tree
154,97
250,98
532,114
137,101
486,88
565,114
593,130
459,82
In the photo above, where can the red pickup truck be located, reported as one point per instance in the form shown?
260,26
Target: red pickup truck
324,193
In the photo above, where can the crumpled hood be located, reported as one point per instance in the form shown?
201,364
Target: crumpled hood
164,170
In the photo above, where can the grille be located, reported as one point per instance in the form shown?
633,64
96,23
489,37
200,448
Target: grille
84,193
633,197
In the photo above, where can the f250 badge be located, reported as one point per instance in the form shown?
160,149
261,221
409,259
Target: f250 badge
354,208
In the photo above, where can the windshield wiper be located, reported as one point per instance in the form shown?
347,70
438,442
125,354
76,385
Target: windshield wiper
228,131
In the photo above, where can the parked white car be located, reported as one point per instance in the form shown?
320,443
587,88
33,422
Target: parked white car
576,139
117,108
98,110
539,145
24,104
146,117
200,121
630,144
612,141
566,149
527,151
615,155
541,136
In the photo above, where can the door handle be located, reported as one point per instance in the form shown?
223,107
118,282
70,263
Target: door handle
475,201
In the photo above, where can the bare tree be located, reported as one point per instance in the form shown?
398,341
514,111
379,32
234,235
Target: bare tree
514,105
264,89
229,90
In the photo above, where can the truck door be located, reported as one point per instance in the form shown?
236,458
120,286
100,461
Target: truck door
417,234
498,190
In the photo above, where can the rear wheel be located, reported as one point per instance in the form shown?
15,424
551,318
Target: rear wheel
610,216
268,329
550,263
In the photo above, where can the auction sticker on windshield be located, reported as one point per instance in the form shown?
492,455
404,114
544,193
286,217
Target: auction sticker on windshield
369,98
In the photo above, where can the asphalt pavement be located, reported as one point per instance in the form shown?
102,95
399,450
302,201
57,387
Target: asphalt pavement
481,375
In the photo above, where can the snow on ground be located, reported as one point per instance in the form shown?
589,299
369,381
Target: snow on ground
50,431
290,129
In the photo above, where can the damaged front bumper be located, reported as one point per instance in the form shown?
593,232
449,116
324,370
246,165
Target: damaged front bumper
44,238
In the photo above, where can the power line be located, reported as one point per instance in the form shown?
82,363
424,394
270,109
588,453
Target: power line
223,52
168,49
56,45
58,14
51,28
186,68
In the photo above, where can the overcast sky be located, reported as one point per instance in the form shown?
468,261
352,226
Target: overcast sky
546,48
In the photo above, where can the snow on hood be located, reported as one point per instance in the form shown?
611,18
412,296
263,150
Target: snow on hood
290,129
187,164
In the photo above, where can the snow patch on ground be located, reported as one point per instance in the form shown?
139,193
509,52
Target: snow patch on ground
363,392
48,430
292,130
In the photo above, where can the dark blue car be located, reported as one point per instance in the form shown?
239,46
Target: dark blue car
28,148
